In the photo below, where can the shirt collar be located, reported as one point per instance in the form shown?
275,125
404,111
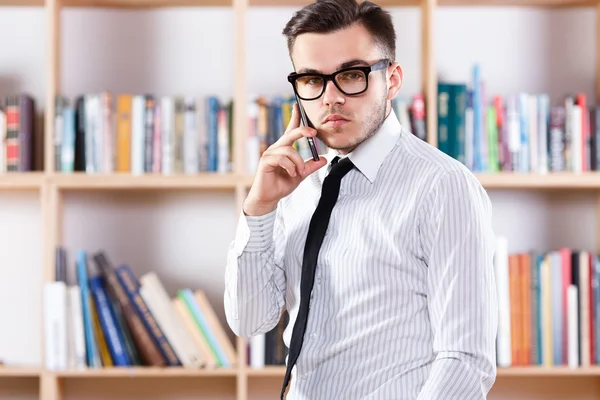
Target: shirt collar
369,155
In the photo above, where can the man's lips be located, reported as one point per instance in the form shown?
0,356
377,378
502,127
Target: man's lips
335,120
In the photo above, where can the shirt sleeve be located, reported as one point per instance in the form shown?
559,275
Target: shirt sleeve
458,246
254,275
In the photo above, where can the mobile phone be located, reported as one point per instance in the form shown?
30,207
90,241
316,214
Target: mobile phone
306,122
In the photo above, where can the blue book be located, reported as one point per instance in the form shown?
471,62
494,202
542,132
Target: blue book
108,322
93,356
131,287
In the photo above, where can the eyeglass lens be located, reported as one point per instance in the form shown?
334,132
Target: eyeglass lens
350,82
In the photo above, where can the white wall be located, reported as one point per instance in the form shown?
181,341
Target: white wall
184,235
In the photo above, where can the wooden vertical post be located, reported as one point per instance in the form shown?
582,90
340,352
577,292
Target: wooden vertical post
428,75
240,124
597,52
50,388
242,374
52,79
240,8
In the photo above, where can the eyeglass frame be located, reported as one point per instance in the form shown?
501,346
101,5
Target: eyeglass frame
366,69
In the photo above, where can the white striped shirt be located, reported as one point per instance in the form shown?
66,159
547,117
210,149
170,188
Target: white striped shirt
404,303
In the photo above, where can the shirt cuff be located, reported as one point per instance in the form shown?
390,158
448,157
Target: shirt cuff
255,233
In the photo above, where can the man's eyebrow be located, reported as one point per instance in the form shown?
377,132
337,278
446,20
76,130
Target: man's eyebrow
343,65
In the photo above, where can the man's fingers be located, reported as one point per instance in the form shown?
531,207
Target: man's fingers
288,138
311,165
294,118
281,160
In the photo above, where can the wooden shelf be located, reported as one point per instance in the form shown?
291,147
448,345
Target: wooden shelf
217,181
518,3
19,372
22,3
523,181
21,180
533,371
294,3
555,180
147,372
267,371
84,181
539,371
146,3
302,3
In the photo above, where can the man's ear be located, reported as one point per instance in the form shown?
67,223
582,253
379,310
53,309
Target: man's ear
394,80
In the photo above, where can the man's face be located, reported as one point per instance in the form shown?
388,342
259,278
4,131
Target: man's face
361,114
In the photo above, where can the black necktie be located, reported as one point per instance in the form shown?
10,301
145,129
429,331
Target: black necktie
314,239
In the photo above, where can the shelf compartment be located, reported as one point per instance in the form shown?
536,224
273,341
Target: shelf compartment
21,180
146,372
116,181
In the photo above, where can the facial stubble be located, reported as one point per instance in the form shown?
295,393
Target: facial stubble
371,125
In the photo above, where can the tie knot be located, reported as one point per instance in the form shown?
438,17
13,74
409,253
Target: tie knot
341,166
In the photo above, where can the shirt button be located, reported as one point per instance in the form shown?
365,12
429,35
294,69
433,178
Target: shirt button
319,281
313,335
304,376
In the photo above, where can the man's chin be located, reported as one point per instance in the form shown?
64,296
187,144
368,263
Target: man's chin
342,145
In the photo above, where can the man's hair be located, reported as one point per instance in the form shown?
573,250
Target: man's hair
325,16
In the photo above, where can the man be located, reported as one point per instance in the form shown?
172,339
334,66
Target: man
403,296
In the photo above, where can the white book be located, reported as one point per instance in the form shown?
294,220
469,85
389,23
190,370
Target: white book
502,285
89,134
159,303
202,128
543,122
167,107
469,139
55,326
138,133
257,351
532,121
77,355
584,309
223,141
252,140
190,137
572,324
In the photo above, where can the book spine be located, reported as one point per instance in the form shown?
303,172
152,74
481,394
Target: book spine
149,133
108,323
149,350
93,357
127,280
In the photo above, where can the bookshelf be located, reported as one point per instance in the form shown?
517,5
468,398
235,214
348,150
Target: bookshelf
54,187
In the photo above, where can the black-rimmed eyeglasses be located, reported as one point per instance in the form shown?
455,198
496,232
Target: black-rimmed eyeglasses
350,81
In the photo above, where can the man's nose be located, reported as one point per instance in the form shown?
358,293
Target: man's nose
332,95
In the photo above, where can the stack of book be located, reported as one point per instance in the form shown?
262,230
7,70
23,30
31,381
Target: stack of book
21,134
142,133
110,318
269,117
522,132
549,303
